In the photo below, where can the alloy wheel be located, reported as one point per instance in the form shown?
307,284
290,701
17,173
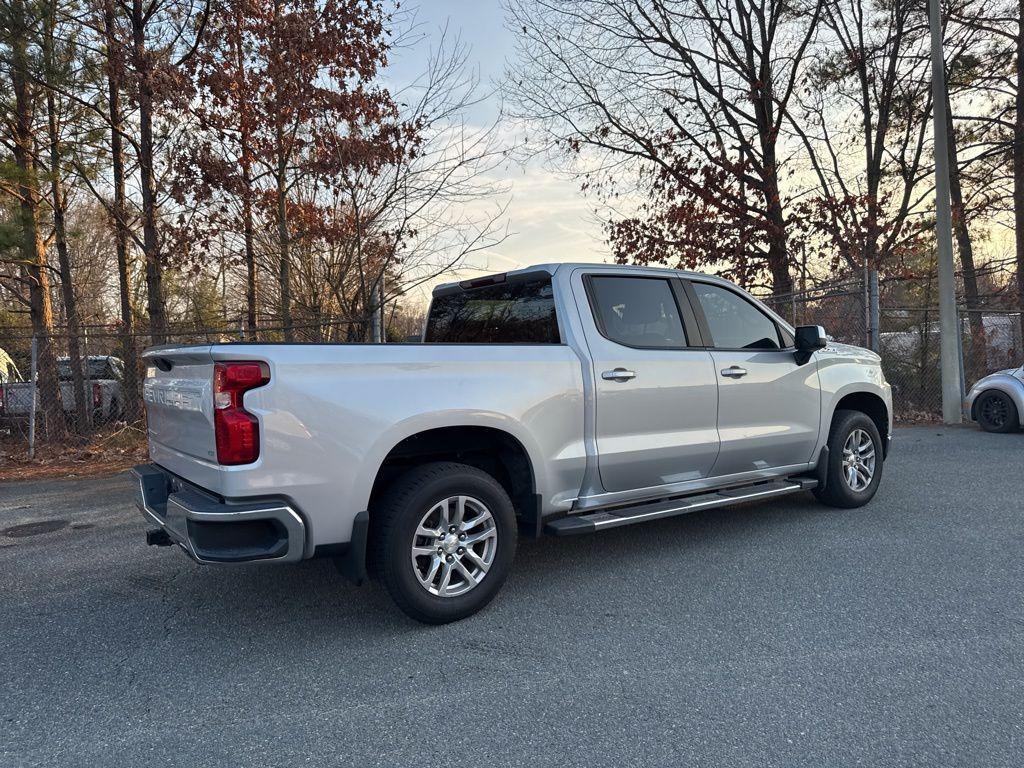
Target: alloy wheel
858,460
995,411
454,546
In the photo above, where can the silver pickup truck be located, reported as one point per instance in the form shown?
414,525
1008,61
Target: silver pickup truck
560,399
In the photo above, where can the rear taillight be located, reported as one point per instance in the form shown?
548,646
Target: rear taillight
237,431
97,396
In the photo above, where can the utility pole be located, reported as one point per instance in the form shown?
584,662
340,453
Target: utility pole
949,340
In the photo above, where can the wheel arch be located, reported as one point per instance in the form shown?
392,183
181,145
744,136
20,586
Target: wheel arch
870,404
491,449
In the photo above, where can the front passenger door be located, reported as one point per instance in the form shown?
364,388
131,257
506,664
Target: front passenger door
768,406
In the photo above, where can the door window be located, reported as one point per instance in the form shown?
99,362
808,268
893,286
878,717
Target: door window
734,322
637,311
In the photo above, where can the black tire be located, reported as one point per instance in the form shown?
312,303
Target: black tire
838,491
393,524
996,412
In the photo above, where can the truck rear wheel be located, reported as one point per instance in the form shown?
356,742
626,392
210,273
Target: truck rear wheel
854,461
442,540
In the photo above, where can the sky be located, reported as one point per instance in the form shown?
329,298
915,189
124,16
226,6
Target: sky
549,220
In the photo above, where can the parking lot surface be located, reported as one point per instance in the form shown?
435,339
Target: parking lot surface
781,634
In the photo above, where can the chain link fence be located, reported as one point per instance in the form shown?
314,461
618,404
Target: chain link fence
108,387
908,339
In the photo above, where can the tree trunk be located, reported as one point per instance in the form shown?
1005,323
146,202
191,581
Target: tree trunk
976,359
32,250
251,290
778,256
284,244
150,238
284,256
78,380
1018,172
121,234
778,252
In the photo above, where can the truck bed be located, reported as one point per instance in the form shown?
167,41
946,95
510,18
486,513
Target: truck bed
331,413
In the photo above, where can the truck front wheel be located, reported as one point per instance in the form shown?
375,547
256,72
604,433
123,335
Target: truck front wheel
442,540
854,461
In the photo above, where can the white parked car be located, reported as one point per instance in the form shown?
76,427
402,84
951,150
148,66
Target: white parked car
561,399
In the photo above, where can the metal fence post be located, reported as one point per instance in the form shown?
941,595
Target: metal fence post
34,389
960,353
866,300
875,312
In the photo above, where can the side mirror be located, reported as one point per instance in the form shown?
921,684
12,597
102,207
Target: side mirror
809,339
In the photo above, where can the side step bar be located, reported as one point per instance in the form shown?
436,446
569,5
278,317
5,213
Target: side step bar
574,525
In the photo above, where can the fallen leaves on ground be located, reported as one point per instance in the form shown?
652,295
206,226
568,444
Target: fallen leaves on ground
106,452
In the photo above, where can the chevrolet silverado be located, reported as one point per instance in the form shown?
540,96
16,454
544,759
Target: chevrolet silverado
559,399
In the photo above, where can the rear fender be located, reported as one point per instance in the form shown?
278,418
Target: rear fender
425,422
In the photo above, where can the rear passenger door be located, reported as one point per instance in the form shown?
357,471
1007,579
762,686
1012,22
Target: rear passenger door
768,406
656,394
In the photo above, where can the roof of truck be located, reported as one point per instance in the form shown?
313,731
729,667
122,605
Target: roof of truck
552,268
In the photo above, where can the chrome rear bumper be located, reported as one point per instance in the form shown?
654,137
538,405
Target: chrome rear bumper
211,530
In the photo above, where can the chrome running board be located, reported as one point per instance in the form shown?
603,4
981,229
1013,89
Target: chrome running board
589,522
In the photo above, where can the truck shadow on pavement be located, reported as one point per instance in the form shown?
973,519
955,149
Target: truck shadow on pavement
566,574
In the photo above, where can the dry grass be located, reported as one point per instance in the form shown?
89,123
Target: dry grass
110,450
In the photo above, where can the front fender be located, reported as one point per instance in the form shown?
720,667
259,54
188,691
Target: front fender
844,370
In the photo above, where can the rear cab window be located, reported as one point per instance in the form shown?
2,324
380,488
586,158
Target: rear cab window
514,311
638,312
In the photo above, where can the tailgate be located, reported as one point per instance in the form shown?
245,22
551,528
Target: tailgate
178,390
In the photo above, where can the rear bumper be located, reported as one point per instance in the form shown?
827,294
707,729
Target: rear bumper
211,530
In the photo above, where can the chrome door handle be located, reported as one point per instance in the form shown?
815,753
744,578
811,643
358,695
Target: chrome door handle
619,374
734,372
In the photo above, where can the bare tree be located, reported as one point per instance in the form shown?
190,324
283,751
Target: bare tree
993,114
863,122
405,222
657,89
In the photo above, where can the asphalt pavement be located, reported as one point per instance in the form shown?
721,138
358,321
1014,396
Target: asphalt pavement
778,634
